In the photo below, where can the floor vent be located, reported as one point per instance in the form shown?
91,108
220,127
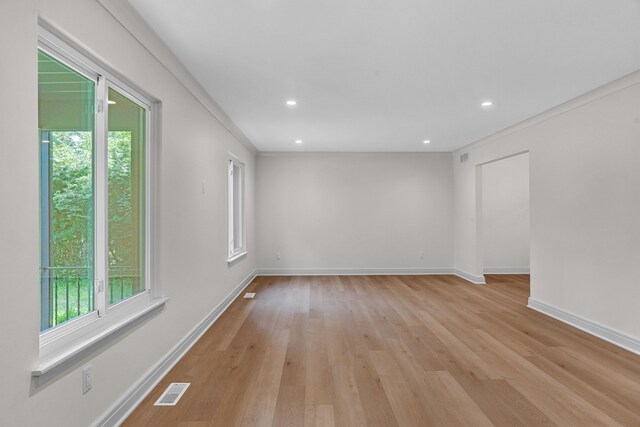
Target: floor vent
172,394
250,295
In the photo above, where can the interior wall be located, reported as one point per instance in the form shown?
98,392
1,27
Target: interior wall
585,232
191,234
505,215
354,211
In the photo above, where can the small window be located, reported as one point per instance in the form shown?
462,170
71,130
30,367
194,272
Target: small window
236,209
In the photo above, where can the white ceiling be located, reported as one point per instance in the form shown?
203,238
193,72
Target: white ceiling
380,75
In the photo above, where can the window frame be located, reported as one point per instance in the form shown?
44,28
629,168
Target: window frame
234,254
64,341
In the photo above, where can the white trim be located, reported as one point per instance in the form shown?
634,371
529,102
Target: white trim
123,407
64,329
237,256
613,336
351,271
49,364
507,270
476,280
372,154
234,216
100,199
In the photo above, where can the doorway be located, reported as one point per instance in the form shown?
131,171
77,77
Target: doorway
505,206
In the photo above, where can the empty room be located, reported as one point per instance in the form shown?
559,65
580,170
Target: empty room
320,213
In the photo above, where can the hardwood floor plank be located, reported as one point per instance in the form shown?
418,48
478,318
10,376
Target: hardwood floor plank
457,406
373,399
544,391
294,371
604,403
502,403
347,408
405,403
318,372
319,416
260,404
290,408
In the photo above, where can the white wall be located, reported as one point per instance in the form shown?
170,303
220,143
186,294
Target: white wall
328,211
585,204
505,214
192,227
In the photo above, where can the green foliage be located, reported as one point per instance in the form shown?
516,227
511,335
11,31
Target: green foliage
71,178
72,199
71,211
121,222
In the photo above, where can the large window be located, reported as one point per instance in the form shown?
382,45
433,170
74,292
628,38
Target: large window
236,210
93,135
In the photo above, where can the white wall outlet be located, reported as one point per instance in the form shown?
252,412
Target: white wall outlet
421,255
87,379
202,189
277,255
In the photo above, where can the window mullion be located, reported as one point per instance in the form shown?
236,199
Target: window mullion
101,195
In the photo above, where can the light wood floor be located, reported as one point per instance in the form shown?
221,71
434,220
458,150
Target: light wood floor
396,351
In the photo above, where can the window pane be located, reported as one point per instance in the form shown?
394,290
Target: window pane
66,129
126,207
237,216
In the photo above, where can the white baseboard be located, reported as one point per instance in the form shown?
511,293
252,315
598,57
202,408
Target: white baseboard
120,410
351,271
476,280
610,335
507,270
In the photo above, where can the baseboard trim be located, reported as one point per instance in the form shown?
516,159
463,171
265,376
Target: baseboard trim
351,271
610,335
476,280
507,270
123,407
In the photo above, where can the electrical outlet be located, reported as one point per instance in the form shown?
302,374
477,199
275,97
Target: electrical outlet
277,255
87,379
421,255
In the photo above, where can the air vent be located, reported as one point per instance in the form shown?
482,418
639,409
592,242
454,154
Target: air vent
464,157
172,394
250,295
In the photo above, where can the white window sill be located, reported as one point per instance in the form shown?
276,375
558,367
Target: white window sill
236,257
110,326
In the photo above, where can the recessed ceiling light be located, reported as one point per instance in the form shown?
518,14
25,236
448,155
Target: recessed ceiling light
291,102
486,104
298,141
426,141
